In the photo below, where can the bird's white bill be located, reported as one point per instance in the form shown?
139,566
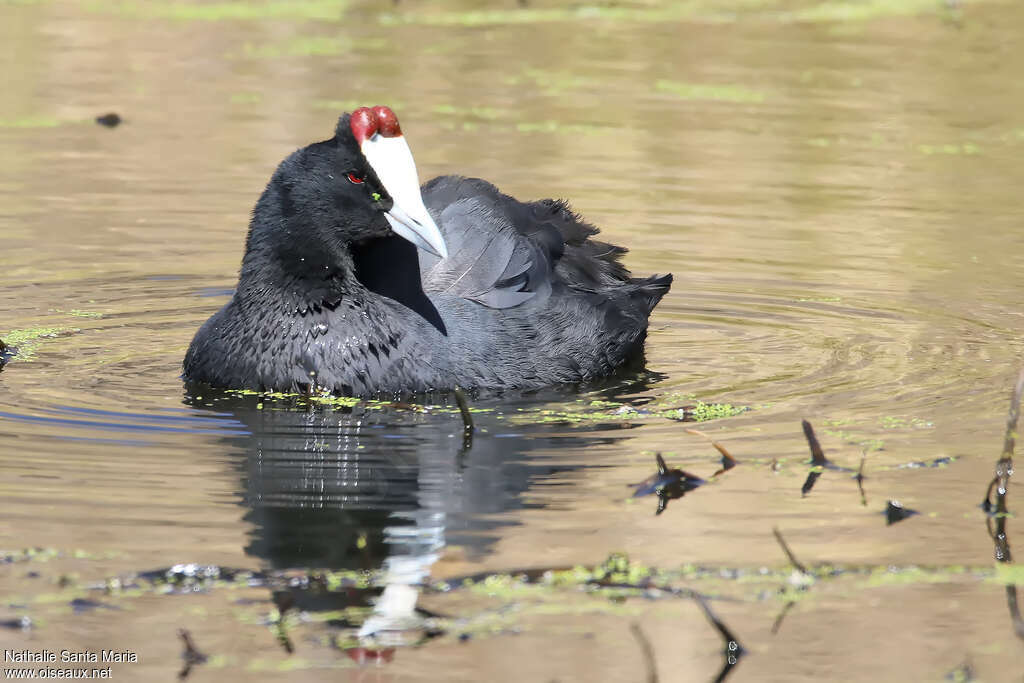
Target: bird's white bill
392,161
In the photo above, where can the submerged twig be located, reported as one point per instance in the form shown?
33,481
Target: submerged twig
789,553
648,651
668,484
733,651
1010,438
817,455
777,624
860,479
896,512
1001,484
819,462
818,459
728,462
191,655
468,428
467,417
284,601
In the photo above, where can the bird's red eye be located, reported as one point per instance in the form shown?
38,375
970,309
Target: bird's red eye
356,179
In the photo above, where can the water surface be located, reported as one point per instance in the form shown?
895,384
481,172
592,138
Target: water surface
835,186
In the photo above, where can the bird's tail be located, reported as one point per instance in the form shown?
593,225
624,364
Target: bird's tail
651,289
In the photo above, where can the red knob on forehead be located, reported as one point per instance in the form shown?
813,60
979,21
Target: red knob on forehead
388,126
364,124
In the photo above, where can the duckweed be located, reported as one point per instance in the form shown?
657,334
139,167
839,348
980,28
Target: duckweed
715,93
26,342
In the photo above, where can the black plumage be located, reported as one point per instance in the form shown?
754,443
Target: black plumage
330,298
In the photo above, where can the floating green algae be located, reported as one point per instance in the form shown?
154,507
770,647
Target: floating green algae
340,106
702,412
328,10
486,113
597,412
26,342
550,82
246,98
30,122
78,313
950,149
710,92
310,46
703,11
558,127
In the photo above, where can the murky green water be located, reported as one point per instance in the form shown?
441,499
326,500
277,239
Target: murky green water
835,185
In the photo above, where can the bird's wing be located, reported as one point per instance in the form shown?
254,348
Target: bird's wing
496,257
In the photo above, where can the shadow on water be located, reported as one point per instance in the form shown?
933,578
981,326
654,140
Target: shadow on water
347,487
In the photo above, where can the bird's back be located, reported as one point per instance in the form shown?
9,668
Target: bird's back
527,291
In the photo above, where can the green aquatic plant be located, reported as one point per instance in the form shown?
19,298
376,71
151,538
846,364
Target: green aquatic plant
246,97
310,46
350,105
859,10
30,122
714,93
703,11
953,149
26,342
486,113
562,128
77,313
550,82
323,10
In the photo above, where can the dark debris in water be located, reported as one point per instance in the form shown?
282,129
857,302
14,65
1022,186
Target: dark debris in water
82,605
191,654
728,462
998,511
962,674
648,651
895,512
860,479
937,462
6,353
364,655
23,623
667,484
110,120
819,463
732,651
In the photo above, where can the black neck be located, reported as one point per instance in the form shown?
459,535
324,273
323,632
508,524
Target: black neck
390,267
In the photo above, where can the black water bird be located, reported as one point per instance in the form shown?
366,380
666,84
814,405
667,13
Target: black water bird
357,281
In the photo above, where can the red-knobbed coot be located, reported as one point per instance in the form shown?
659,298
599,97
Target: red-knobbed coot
358,281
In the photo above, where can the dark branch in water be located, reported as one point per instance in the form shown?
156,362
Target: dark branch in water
818,458
468,428
782,615
668,484
860,479
191,655
467,417
819,462
728,462
733,651
1000,484
789,553
895,512
284,601
645,647
1010,439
